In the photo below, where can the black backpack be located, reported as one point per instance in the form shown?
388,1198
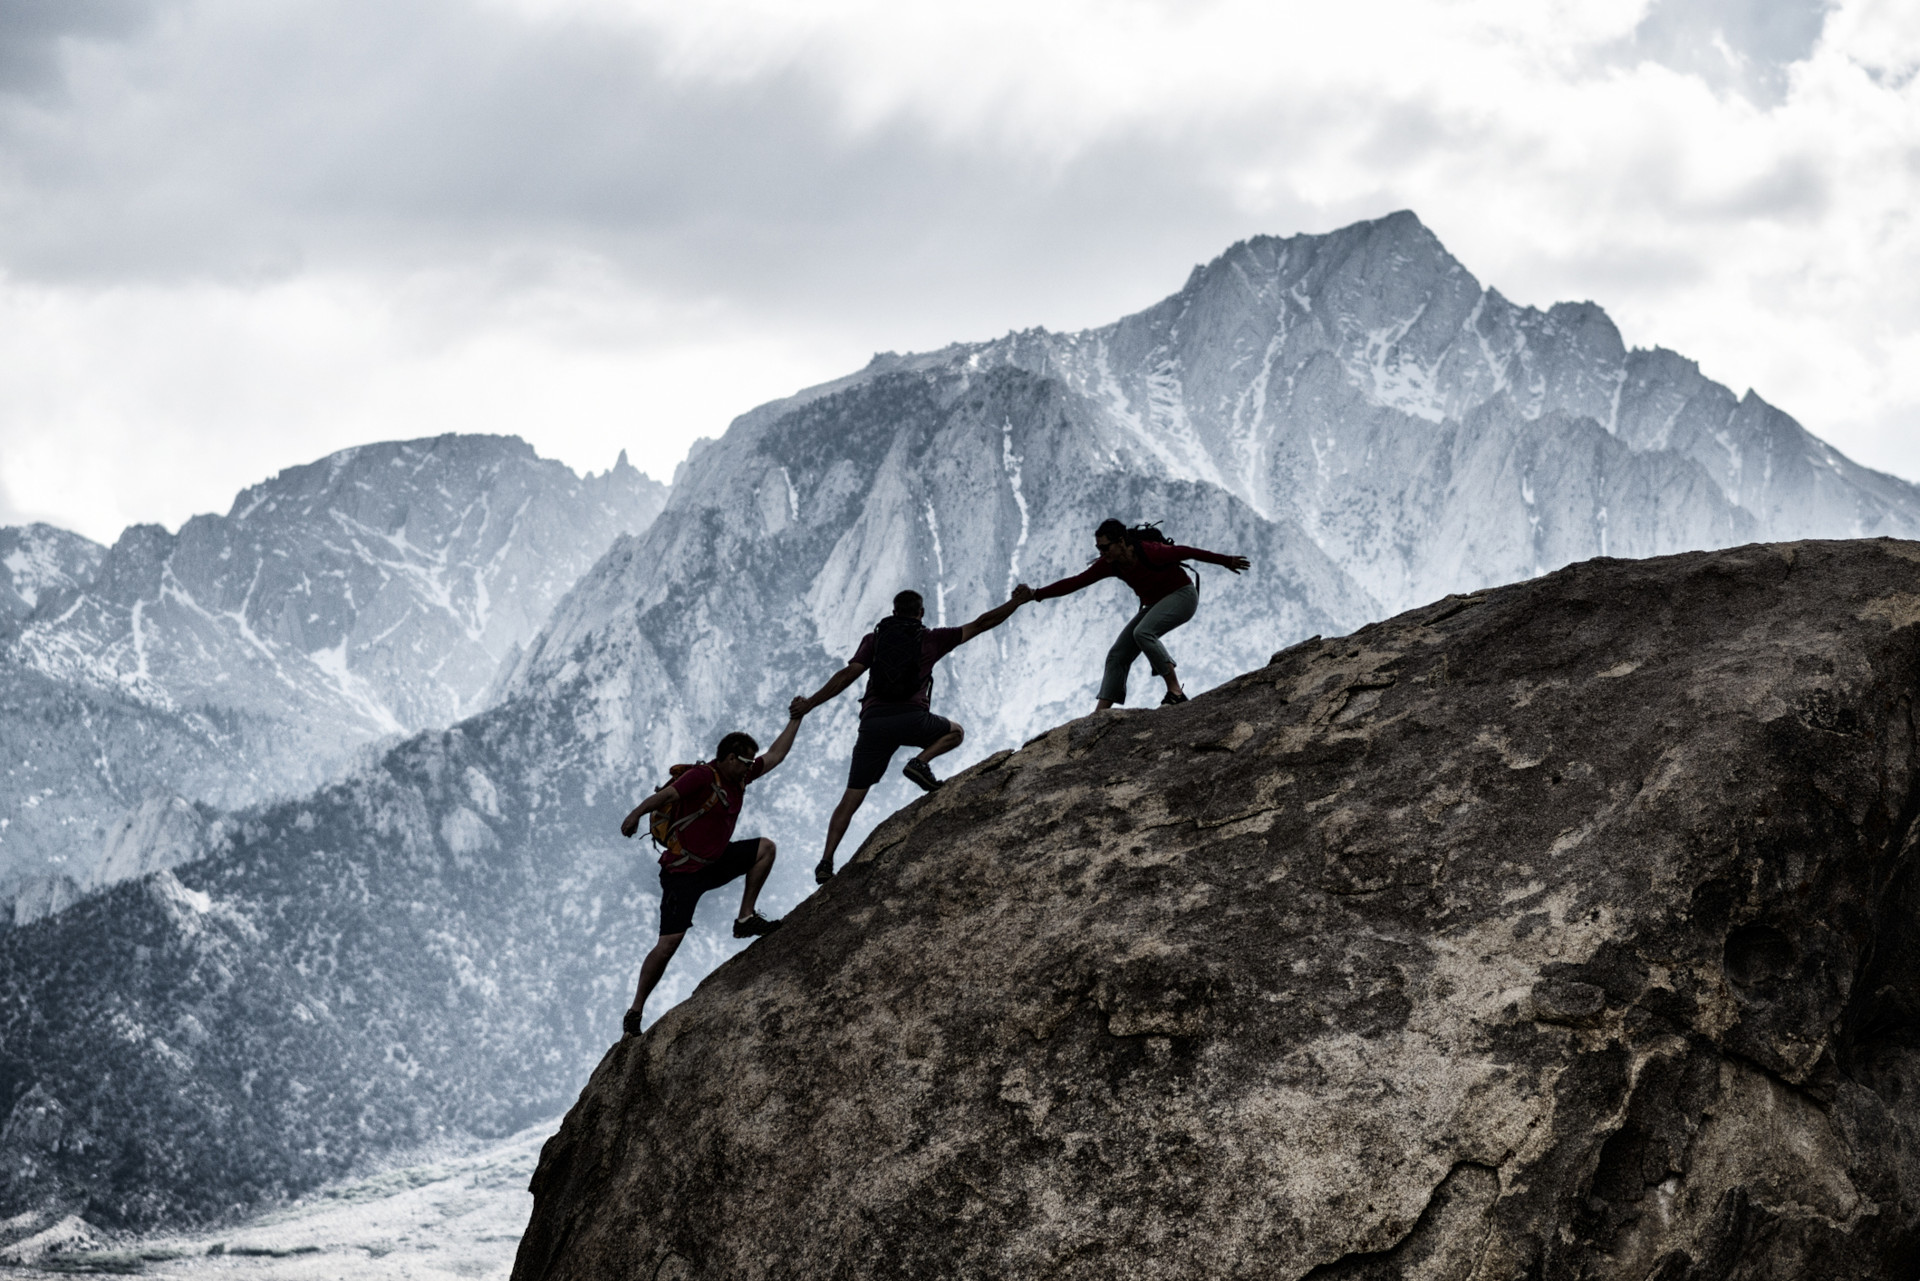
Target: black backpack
894,674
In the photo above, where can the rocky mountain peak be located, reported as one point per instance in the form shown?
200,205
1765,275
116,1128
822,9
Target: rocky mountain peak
362,596
1556,930
383,583
39,561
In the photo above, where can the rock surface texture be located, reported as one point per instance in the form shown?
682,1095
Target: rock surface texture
1562,930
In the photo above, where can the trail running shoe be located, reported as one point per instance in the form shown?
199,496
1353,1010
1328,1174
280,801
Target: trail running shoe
1171,699
823,871
630,1023
755,924
920,773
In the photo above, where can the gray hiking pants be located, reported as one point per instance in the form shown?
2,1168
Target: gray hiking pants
1142,635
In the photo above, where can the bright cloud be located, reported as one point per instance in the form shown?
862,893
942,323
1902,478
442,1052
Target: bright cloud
241,235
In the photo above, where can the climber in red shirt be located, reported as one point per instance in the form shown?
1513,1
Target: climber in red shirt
1142,559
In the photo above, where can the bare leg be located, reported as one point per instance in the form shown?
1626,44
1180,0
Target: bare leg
756,877
1173,683
1102,704
655,965
837,825
944,744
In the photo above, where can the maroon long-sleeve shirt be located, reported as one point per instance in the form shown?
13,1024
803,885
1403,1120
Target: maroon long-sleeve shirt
1154,575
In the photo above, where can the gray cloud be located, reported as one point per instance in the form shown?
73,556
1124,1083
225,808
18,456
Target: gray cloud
34,32
437,133
1740,45
474,181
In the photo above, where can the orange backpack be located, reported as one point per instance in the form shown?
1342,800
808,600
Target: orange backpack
669,820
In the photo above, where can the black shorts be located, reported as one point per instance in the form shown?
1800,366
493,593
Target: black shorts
884,733
681,891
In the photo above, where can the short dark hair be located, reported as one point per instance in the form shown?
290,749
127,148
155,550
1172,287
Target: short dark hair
736,744
1111,529
908,603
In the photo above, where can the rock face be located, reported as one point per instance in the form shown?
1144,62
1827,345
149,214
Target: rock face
1569,929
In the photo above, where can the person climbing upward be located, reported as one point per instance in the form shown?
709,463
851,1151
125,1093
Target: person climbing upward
898,656
1143,559
702,806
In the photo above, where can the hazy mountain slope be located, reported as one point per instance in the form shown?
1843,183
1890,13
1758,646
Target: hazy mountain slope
404,954
362,596
375,590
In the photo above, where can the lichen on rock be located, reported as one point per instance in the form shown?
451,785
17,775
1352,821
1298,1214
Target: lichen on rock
1567,929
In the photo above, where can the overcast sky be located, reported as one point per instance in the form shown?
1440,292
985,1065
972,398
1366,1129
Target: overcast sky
235,236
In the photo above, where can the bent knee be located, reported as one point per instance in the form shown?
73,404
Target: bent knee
956,729
767,848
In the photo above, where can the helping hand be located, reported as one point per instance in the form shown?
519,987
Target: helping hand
799,707
1022,594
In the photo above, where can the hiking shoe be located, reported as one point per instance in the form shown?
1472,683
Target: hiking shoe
920,773
630,1023
1171,699
823,871
754,925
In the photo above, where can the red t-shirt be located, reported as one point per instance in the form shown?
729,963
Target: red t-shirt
707,836
1154,575
935,643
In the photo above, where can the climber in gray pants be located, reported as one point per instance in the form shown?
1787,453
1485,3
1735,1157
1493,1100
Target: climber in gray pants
1143,559
1142,635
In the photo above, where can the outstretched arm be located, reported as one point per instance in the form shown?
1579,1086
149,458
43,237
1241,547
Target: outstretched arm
804,703
631,823
1091,574
1168,553
782,745
989,620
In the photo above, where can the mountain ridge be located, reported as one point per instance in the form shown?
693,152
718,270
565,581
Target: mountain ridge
341,602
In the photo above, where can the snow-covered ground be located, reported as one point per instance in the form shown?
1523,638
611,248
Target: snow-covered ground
459,1217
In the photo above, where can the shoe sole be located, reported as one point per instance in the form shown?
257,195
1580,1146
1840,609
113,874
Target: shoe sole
822,874
929,784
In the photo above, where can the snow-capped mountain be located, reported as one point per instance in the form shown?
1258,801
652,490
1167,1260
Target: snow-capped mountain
364,596
374,591
445,936
1429,434
39,560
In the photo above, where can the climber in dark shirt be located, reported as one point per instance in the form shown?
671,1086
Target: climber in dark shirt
1168,598
887,726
